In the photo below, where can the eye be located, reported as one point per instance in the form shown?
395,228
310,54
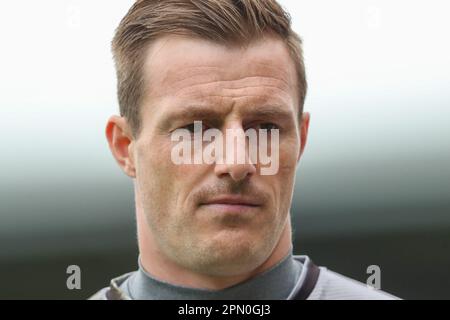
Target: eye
195,127
268,126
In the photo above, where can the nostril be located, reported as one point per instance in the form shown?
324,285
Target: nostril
240,172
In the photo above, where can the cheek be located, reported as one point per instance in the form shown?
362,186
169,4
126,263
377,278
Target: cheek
288,153
284,179
164,183
154,174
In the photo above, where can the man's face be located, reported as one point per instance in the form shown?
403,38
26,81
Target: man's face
225,88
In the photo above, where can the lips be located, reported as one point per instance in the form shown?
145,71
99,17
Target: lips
232,204
233,200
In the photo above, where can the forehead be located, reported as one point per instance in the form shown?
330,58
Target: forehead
172,61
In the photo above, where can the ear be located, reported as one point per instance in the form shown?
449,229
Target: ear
304,126
121,144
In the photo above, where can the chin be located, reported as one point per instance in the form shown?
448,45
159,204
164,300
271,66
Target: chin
233,253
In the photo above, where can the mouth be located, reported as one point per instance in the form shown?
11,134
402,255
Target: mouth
232,204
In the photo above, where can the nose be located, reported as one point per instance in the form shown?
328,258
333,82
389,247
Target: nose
237,172
238,164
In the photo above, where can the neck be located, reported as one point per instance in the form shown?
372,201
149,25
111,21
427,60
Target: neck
276,283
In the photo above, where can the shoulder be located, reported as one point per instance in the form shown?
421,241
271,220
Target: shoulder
334,286
114,291
99,295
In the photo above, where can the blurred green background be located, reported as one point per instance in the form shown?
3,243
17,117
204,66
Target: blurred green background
373,186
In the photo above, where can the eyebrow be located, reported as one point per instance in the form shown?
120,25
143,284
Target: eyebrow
200,112
188,112
270,111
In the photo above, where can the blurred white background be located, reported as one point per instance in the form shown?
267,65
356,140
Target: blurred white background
378,151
